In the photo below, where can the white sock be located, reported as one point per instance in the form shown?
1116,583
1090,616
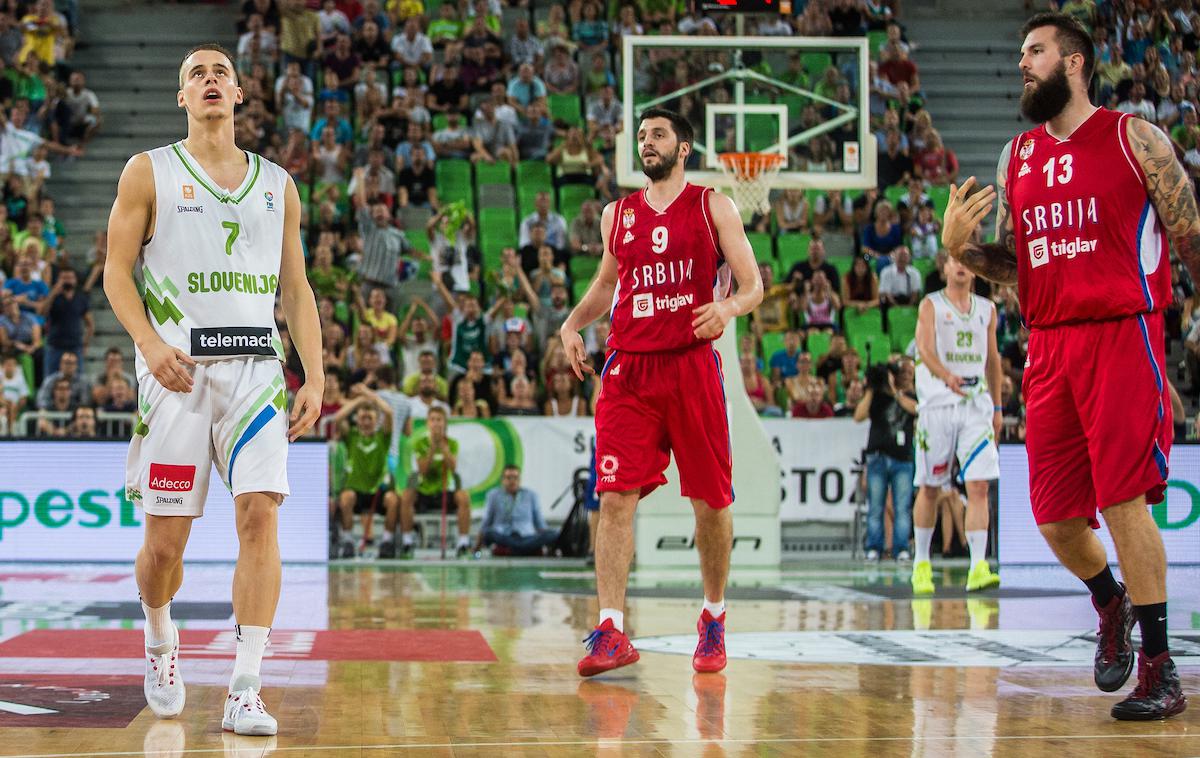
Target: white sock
464,540
408,538
388,537
251,643
618,618
977,541
158,625
923,539
714,607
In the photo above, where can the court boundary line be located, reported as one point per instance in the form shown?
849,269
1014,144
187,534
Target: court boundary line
664,741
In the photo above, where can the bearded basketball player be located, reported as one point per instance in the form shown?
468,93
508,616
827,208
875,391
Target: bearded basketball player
214,231
665,276
1087,202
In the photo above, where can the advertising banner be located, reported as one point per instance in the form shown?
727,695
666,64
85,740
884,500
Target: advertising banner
1178,517
65,501
819,466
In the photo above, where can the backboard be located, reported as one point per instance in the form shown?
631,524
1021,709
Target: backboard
803,97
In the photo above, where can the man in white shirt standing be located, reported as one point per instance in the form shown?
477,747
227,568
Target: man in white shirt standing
899,283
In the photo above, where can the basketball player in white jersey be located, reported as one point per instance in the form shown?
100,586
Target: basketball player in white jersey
214,231
958,417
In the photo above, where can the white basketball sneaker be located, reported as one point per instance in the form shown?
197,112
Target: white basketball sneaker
244,711
164,684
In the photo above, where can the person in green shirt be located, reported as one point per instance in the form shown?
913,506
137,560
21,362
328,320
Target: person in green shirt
366,474
435,479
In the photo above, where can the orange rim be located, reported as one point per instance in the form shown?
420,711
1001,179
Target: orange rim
750,165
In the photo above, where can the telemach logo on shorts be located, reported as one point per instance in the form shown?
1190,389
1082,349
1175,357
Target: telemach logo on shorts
233,340
166,477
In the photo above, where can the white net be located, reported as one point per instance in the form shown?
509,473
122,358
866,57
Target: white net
751,175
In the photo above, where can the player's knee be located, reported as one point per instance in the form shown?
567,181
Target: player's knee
977,488
256,518
1063,532
618,504
164,552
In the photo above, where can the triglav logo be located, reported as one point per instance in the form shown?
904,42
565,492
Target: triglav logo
1038,252
643,305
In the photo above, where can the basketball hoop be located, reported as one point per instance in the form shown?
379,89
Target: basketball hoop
751,175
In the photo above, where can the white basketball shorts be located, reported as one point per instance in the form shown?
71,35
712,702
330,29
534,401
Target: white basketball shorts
961,431
235,416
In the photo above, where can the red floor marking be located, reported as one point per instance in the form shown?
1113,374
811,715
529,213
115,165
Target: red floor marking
467,646
104,702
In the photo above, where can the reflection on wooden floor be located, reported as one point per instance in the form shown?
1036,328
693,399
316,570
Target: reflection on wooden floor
478,660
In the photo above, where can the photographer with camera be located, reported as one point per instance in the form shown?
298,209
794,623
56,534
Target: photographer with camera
889,457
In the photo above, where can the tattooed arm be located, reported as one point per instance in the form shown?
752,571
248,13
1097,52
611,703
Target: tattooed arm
1169,189
996,261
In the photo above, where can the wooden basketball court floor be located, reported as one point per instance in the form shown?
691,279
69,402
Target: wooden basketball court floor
478,659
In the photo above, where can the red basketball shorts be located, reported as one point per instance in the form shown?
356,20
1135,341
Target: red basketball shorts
1098,416
653,404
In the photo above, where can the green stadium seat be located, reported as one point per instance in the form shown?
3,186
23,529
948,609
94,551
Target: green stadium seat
579,287
843,264
924,265
761,133
875,42
763,246
816,63
793,248
440,120
818,345
571,197
567,108
499,172
872,347
534,173
583,267
772,342
452,171
453,179
902,325
418,239
940,197
498,226
894,193
869,321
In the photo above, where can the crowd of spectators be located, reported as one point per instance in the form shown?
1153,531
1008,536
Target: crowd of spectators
46,112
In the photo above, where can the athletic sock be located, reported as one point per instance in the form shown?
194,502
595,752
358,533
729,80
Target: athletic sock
158,624
464,540
924,537
388,537
714,608
977,542
251,643
408,538
617,617
1152,620
1104,587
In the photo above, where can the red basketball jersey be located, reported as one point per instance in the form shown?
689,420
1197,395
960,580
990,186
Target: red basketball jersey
668,264
1089,245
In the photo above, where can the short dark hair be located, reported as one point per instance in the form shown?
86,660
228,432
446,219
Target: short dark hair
1071,36
512,467
385,376
215,47
680,125
438,410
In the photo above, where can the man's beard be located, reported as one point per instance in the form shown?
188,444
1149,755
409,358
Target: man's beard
1047,98
662,169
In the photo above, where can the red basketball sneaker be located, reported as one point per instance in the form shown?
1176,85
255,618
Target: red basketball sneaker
710,651
608,649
